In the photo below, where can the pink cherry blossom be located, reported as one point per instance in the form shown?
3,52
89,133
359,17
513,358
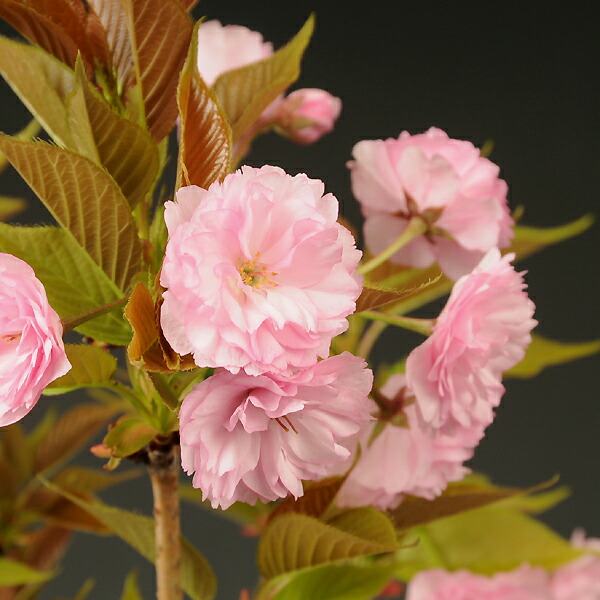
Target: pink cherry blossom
525,583
222,48
447,183
257,437
32,352
406,458
482,331
259,274
580,578
307,114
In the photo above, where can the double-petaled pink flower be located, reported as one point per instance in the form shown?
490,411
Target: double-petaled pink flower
525,583
249,437
405,458
259,274
32,353
482,331
444,181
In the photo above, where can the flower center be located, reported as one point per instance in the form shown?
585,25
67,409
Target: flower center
254,274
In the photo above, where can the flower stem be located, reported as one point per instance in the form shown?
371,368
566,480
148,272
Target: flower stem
424,326
416,226
368,339
163,468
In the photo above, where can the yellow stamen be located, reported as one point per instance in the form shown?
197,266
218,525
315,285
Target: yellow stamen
255,274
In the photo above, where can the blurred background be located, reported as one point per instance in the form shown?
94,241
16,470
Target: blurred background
526,79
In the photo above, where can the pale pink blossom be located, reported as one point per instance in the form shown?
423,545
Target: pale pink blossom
524,583
405,458
580,578
223,48
306,115
259,274
482,331
447,183
32,352
257,437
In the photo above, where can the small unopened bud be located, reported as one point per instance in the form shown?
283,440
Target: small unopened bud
306,115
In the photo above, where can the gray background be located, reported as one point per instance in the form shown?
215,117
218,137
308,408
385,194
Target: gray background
525,78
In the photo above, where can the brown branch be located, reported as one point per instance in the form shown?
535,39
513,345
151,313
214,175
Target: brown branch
164,473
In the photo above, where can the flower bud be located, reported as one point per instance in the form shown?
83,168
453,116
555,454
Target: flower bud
308,114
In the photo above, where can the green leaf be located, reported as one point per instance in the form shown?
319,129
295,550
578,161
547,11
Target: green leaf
83,481
60,512
293,541
205,136
331,582
129,435
72,431
9,207
457,498
368,523
42,83
131,590
484,540
91,365
122,147
529,240
15,573
161,31
84,199
543,353
75,284
197,577
244,93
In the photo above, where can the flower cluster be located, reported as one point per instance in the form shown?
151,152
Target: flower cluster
246,316
304,115
259,278
437,413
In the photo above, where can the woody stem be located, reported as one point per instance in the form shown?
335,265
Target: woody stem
163,468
